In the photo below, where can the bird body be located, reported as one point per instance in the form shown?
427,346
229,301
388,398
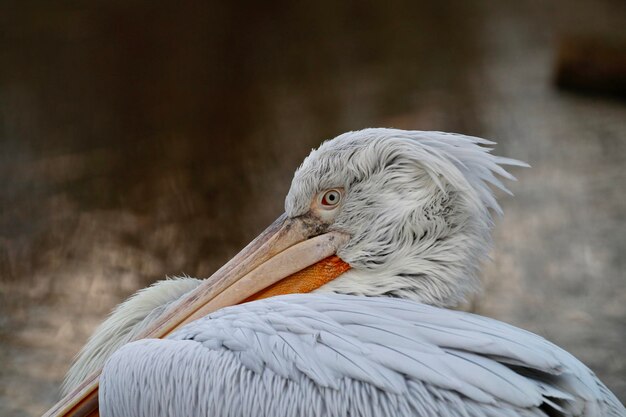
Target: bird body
338,355
409,215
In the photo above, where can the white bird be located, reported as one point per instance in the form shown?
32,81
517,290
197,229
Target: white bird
408,215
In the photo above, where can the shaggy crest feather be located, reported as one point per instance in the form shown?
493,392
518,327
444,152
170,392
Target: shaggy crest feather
418,205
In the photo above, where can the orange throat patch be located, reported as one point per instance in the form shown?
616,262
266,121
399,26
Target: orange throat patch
306,280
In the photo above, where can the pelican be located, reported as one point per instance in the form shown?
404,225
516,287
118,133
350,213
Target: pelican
342,306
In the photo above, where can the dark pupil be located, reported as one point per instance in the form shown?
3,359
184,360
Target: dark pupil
331,197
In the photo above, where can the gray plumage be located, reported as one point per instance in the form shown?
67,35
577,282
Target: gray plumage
418,209
337,355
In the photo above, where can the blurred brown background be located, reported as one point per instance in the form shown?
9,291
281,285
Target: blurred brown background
139,141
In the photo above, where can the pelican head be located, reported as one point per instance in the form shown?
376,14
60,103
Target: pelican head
417,207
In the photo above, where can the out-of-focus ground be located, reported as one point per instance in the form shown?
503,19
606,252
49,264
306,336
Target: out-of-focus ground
139,141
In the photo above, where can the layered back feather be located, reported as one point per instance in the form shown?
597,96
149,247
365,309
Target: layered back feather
335,355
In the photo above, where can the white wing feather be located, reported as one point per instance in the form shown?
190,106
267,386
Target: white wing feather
338,355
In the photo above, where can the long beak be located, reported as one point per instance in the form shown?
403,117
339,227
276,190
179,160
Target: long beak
291,255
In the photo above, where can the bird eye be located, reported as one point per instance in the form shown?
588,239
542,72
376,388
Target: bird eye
331,198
